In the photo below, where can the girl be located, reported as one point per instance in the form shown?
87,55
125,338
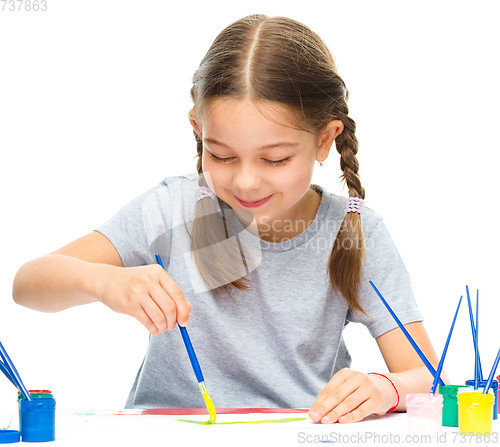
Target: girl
266,268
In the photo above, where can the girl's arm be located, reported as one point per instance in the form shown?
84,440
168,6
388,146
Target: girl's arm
90,269
350,396
66,277
407,371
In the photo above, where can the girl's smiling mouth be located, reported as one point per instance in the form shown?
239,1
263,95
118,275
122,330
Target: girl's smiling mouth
255,203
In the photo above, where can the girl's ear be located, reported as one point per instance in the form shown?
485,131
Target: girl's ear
331,131
194,122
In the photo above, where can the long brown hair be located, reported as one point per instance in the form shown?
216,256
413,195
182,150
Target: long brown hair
278,59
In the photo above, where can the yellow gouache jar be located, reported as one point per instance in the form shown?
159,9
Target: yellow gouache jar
475,412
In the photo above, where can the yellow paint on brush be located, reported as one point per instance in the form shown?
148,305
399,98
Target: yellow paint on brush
210,405
266,421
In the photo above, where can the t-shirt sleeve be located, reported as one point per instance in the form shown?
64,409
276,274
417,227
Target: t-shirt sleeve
385,268
141,228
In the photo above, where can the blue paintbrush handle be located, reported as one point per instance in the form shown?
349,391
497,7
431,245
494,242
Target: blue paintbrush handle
13,372
408,336
476,349
441,362
187,342
192,355
473,328
492,374
158,260
4,369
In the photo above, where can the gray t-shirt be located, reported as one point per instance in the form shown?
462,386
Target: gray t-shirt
276,345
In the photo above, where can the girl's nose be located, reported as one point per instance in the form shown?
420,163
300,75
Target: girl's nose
247,178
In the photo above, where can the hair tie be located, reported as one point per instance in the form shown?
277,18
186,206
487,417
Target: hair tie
202,192
354,205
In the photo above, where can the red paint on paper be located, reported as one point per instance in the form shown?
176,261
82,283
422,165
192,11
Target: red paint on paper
194,411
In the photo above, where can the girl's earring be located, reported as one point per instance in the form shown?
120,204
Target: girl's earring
321,163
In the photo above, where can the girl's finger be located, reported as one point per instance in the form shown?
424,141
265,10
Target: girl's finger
167,306
181,304
143,318
154,313
350,403
341,385
358,414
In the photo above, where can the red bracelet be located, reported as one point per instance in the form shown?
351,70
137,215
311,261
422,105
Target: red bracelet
395,389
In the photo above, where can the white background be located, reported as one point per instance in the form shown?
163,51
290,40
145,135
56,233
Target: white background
94,97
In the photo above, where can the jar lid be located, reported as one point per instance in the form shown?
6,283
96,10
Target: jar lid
9,436
450,391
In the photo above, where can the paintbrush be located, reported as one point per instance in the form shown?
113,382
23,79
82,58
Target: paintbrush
441,361
196,366
476,347
473,328
4,369
13,372
407,334
492,373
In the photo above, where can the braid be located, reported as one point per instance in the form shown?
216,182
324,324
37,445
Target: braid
199,152
348,251
347,147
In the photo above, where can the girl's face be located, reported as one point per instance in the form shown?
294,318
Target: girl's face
259,164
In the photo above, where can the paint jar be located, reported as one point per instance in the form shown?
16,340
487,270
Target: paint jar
494,388
37,417
450,405
424,412
33,394
475,412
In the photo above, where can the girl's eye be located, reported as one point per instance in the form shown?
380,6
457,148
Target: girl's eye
218,159
271,162
278,162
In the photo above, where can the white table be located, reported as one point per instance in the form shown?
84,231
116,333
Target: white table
106,428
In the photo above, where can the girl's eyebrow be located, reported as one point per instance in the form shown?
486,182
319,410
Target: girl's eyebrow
268,146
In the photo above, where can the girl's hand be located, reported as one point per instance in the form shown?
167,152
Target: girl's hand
350,396
147,293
